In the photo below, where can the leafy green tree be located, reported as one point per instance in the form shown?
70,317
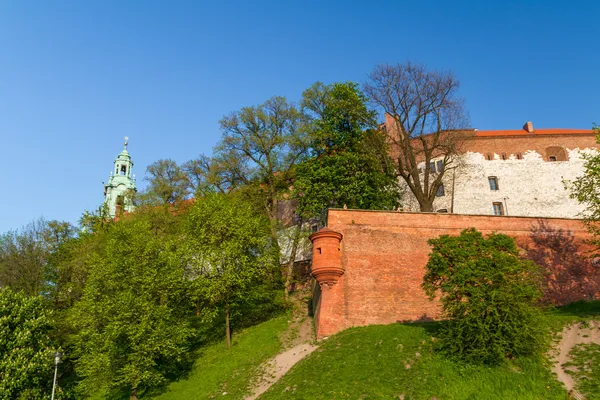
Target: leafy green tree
488,294
230,254
167,183
25,255
349,164
131,324
259,149
585,190
26,365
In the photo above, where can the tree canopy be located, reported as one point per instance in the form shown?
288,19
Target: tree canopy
131,324
25,346
429,122
488,294
349,164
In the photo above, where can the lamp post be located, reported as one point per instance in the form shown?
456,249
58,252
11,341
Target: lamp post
57,357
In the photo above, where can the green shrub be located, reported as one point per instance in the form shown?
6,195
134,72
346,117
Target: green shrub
488,294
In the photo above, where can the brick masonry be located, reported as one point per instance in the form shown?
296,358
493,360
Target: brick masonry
383,258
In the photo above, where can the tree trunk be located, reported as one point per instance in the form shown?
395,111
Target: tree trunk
227,328
133,395
426,206
291,261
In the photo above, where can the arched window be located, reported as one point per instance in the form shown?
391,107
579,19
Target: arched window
556,153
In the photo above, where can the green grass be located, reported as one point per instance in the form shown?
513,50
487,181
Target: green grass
371,363
586,362
218,370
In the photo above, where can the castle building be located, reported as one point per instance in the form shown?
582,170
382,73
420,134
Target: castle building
119,183
513,172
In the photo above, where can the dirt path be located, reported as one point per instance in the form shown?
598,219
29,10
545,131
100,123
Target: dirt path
573,335
297,342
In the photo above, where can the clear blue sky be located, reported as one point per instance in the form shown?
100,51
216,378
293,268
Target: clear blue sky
77,76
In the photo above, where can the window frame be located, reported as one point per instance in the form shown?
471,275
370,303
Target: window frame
496,185
500,208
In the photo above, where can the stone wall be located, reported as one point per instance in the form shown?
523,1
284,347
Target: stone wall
382,258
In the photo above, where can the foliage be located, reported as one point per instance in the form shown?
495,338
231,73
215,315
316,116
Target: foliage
568,275
216,371
258,151
585,368
585,190
26,365
131,324
350,165
25,255
488,293
428,122
399,361
168,183
229,254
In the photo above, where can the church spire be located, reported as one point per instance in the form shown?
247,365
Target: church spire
120,184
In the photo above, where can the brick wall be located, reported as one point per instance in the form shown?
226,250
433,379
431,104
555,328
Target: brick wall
383,255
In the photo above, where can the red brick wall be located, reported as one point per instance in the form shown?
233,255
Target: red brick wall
384,256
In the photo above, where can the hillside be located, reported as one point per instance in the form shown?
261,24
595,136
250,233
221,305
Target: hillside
389,361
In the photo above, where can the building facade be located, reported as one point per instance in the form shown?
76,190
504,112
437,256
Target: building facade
120,182
514,172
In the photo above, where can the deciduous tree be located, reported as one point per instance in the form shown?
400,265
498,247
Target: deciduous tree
25,346
167,183
488,294
131,324
429,122
585,190
230,253
349,165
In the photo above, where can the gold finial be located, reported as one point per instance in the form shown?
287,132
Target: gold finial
126,141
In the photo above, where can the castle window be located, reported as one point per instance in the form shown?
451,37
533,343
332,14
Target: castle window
498,208
432,167
519,156
440,191
314,228
123,169
489,157
556,153
493,183
504,156
442,210
440,165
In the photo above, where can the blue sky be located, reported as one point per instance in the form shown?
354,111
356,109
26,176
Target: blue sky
77,76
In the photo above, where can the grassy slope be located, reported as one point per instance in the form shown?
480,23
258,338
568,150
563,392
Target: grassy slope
217,370
371,362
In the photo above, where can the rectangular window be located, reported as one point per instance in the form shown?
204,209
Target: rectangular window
498,208
440,191
432,167
440,165
493,183
552,158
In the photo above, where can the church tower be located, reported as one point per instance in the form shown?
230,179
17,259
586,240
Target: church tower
119,183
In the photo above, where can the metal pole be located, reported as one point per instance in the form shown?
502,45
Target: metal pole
54,384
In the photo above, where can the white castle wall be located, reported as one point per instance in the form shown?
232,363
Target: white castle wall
528,187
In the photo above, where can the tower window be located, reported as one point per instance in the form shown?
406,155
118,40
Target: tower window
498,208
489,157
440,191
493,183
519,156
504,156
123,169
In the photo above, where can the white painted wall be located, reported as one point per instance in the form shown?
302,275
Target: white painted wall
529,187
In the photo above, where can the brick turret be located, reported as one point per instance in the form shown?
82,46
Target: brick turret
327,257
